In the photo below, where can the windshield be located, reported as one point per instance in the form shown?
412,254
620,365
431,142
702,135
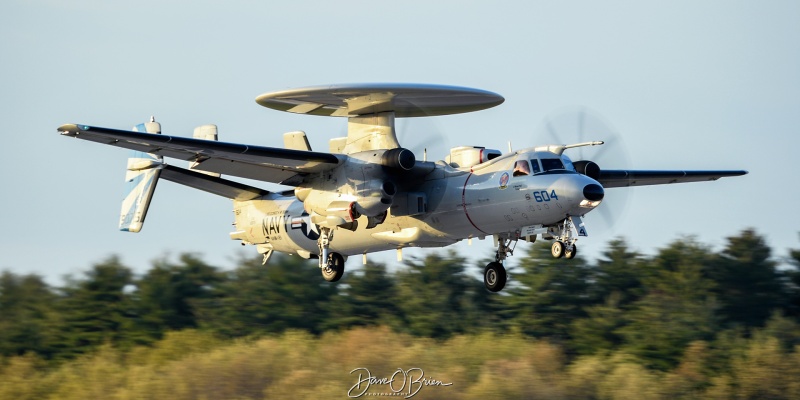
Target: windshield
549,164
535,165
567,163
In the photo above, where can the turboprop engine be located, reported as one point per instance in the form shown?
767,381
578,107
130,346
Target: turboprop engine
588,168
364,185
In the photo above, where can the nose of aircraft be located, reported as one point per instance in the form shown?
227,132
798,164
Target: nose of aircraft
593,192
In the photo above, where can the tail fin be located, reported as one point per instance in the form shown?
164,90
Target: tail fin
141,178
205,132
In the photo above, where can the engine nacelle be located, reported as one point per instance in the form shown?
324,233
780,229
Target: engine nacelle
338,213
376,197
398,159
364,185
346,210
588,168
333,208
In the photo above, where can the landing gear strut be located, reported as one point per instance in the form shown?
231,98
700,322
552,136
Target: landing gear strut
331,264
494,275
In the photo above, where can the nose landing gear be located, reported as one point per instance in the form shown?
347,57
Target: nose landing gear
561,249
557,250
564,246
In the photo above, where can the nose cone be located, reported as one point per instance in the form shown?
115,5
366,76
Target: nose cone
593,192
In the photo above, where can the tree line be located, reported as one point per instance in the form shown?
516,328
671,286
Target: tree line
653,308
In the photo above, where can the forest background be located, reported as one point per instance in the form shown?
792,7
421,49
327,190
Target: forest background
686,322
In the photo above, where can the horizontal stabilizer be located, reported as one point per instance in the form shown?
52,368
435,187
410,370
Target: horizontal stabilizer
211,184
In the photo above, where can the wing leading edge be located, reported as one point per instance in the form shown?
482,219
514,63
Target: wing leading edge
268,164
624,178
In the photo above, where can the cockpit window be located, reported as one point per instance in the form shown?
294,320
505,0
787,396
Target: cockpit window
535,164
549,164
521,168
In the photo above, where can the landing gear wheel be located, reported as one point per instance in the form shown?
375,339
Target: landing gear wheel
569,254
558,249
334,269
494,277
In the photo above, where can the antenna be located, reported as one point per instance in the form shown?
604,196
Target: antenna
509,147
571,146
425,154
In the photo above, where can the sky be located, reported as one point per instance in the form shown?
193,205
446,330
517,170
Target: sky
682,84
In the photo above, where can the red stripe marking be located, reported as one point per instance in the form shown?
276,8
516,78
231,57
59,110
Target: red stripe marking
464,202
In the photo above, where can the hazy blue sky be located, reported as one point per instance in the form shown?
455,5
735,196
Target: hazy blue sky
686,84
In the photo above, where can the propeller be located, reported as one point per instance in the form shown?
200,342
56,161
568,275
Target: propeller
579,124
424,137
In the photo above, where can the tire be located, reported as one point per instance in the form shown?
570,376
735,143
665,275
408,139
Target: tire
570,254
494,277
334,269
558,249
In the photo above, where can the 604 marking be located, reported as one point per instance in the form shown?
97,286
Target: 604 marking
544,196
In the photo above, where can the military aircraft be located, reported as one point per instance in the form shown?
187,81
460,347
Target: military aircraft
369,194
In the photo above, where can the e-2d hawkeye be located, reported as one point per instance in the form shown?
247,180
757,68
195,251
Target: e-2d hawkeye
369,194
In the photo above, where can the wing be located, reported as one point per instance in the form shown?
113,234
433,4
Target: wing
211,184
268,164
622,178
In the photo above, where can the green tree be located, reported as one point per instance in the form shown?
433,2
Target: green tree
99,309
793,284
679,307
435,296
599,331
617,282
288,293
748,285
167,294
621,271
369,298
548,294
27,317
785,330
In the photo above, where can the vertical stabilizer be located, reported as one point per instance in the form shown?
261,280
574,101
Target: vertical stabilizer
141,177
204,132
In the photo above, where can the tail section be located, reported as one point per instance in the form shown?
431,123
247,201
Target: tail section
141,178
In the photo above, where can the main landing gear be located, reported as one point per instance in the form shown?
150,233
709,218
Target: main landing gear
494,275
333,269
331,264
